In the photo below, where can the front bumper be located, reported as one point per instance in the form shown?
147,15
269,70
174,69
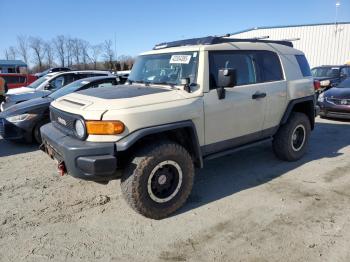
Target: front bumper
86,160
334,111
331,114
10,131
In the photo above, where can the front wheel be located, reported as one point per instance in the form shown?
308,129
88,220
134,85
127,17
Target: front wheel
36,132
158,180
291,140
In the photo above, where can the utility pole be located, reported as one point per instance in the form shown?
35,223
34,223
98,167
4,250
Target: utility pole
115,50
337,5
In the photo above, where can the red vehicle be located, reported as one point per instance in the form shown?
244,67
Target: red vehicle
14,80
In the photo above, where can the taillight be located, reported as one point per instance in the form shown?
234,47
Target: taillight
317,84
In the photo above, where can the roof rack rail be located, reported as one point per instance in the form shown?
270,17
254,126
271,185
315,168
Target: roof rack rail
212,40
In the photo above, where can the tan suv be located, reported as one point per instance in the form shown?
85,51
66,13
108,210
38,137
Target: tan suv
184,102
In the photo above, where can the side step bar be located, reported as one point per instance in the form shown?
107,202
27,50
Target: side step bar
239,148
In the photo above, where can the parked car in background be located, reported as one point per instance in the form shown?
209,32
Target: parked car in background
52,70
330,76
46,85
23,121
123,75
3,89
14,80
335,102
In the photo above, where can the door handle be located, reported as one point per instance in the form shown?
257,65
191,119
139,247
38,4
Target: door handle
258,95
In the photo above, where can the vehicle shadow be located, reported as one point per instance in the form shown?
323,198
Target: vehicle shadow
8,148
252,167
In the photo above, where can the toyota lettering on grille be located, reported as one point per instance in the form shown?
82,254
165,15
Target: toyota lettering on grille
62,121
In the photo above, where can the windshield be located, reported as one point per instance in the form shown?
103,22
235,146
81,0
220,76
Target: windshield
38,82
68,89
344,84
167,68
325,72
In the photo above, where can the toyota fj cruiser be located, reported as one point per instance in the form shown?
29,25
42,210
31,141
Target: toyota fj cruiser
184,102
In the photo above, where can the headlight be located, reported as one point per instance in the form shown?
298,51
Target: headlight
20,118
321,98
325,83
80,128
105,127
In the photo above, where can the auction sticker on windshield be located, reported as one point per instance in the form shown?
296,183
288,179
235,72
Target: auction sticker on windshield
180,59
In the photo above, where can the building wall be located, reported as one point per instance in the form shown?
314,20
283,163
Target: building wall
322,44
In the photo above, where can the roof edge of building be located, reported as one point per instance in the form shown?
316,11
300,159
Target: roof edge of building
285,26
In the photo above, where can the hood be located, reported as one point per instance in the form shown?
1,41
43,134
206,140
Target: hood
341,93
19,90
26,96
33,105
118,97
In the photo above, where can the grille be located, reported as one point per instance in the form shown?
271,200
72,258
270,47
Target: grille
63,120
337,101
2,127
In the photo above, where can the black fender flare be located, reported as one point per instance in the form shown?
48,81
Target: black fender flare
126,142
293,103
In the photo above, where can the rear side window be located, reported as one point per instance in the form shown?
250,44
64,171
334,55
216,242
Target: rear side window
345,71
303,65
269,66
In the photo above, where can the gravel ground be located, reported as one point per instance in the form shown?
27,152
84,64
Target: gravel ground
248,206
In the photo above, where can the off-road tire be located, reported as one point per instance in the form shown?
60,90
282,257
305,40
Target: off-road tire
134,182
282,142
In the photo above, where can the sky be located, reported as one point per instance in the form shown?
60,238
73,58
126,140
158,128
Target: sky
139,25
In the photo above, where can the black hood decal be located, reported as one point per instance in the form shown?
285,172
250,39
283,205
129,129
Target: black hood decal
122,91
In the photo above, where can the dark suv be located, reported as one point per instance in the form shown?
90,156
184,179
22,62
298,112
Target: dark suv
330,75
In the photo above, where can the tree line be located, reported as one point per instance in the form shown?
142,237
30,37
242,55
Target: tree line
66,51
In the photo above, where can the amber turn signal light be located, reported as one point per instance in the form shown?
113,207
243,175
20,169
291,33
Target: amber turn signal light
104,127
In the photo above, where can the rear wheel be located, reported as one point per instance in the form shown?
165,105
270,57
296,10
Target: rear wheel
158,180
291,141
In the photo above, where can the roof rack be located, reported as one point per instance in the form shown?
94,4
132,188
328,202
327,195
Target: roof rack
212,40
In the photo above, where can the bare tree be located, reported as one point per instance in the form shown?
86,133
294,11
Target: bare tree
84,52
95,52
60,48
49,54
23,48
7,55
75,42
69,51
12,52
126,62
37,46
108,52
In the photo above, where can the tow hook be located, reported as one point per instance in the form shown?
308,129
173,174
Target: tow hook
61,169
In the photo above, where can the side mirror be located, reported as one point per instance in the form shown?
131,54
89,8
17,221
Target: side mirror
186,83
48,87
227,77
